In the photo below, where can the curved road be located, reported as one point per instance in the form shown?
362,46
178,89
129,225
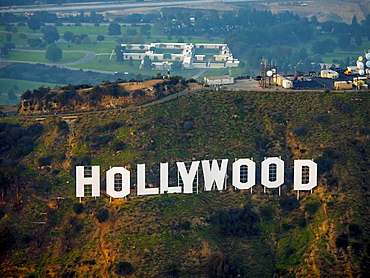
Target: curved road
89,55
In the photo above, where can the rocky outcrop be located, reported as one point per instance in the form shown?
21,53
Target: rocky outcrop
86,98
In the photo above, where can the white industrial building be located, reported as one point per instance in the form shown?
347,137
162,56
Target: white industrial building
219,80
191,55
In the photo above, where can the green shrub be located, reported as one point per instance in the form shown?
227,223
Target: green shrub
342,241
44,161
78,208
124,268
220,265
102,215
119,146
300,131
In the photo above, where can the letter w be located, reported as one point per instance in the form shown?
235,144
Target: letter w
214,175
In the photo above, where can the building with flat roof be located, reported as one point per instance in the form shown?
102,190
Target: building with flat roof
219,80
190,56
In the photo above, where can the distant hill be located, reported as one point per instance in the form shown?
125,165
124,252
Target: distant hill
46,232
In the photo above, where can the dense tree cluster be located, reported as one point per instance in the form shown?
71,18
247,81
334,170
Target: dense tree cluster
253,35
16,141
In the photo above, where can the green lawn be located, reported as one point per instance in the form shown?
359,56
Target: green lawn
78,30
40,57
18,87
102,62
97,48
17,41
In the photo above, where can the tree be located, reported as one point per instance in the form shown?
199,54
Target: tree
53,53
4,51
9,45
144,30
86,40
147,63
34,42
14,29
34,23
119,55
78,208
124,268
77,40
51,34
100,38
8,27
220,265
114,29
138,39
68,35
322,47
11,94
358,38
344,42
102,215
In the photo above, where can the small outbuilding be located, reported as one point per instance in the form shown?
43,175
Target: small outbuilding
343,85
329,74
219,80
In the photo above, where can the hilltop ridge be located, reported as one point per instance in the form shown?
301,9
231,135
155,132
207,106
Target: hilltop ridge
79,98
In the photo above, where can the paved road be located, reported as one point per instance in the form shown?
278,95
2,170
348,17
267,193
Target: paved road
107,6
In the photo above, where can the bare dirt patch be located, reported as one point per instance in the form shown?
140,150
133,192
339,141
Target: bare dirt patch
144,10
132,86
323,10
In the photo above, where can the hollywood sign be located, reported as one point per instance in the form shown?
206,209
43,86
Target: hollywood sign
215,176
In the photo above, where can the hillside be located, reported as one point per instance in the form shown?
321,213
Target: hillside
45,232
110,95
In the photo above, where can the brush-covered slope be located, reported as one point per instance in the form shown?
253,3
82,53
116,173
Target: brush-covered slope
109,95
210,234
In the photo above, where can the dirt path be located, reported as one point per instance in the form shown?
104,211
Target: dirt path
99,235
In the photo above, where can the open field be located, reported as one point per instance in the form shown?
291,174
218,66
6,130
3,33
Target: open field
18,87
39,57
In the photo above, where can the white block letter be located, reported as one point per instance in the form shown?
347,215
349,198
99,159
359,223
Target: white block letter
305,174
118,182
164,181
251,173
214,175
272,170
188,178
88,179
141,189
